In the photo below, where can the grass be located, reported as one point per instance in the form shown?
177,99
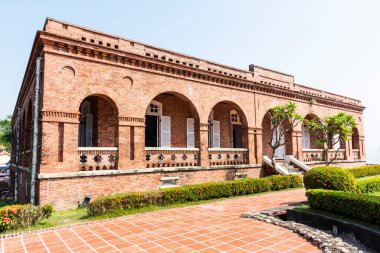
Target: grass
79,215
375,193
308,209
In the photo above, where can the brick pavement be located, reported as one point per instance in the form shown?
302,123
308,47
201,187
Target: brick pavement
211,227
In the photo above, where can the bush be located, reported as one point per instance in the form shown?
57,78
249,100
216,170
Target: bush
331,178
358,206
47,210
365,171
192,193
8,216
369,185
22,216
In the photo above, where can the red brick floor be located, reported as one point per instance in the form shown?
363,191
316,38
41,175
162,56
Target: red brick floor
212,227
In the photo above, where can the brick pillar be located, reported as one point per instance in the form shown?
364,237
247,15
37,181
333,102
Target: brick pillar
296,144
124,150
131,143
70,146
362,152
203,144
252,159
259,145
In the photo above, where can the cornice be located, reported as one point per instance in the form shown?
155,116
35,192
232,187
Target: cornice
85,50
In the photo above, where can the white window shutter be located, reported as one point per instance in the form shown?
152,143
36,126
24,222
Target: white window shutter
89,130
165,132
216,134
190,133
305,138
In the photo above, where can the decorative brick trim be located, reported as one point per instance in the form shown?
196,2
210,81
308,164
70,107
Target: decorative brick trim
200,75
57,114
132,119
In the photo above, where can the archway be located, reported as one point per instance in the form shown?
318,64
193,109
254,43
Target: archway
98,122
171,120
268,138
228,127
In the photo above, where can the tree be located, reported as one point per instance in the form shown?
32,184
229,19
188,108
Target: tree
278,116
6,132
330,131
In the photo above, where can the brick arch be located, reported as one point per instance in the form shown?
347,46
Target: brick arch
267,137
194,107
236,107
241,109
178,107
221,112
100,91
104,122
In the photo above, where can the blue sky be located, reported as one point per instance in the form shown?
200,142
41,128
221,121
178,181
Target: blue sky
330,45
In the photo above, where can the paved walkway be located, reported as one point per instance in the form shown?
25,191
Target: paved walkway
212,227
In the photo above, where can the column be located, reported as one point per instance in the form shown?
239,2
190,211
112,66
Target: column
131,143
203,145
296,144
252,156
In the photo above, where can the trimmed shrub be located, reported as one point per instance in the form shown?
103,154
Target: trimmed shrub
331,178
369,185
47,210
190,193
365,171
358,206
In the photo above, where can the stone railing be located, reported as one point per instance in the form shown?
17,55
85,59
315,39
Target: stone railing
311,155
97,158
227,156
171,157
355,154
316,155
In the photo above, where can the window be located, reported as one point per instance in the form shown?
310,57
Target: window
305,137
234,116
154,108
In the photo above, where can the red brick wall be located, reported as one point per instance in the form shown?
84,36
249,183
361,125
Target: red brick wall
76,188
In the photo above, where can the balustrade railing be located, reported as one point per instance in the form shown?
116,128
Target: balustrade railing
227,156
171,157
97,158
313,155
356,154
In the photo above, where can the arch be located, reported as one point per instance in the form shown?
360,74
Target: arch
98,122
171,120
99,91
228,126
68,70
355,139
309,138
267,138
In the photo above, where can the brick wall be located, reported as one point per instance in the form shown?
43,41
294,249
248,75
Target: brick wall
76,188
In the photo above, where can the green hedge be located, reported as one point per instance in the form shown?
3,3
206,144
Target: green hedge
365,171
369,185
358,206
193,193
331,178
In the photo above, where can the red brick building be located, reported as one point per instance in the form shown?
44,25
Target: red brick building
117,115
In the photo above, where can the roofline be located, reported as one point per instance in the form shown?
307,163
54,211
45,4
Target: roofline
145,44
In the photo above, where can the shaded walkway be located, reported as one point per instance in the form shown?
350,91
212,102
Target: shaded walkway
212,227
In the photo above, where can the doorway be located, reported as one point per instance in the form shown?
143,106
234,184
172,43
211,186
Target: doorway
151,131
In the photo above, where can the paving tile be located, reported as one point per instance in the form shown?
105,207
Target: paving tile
207,228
